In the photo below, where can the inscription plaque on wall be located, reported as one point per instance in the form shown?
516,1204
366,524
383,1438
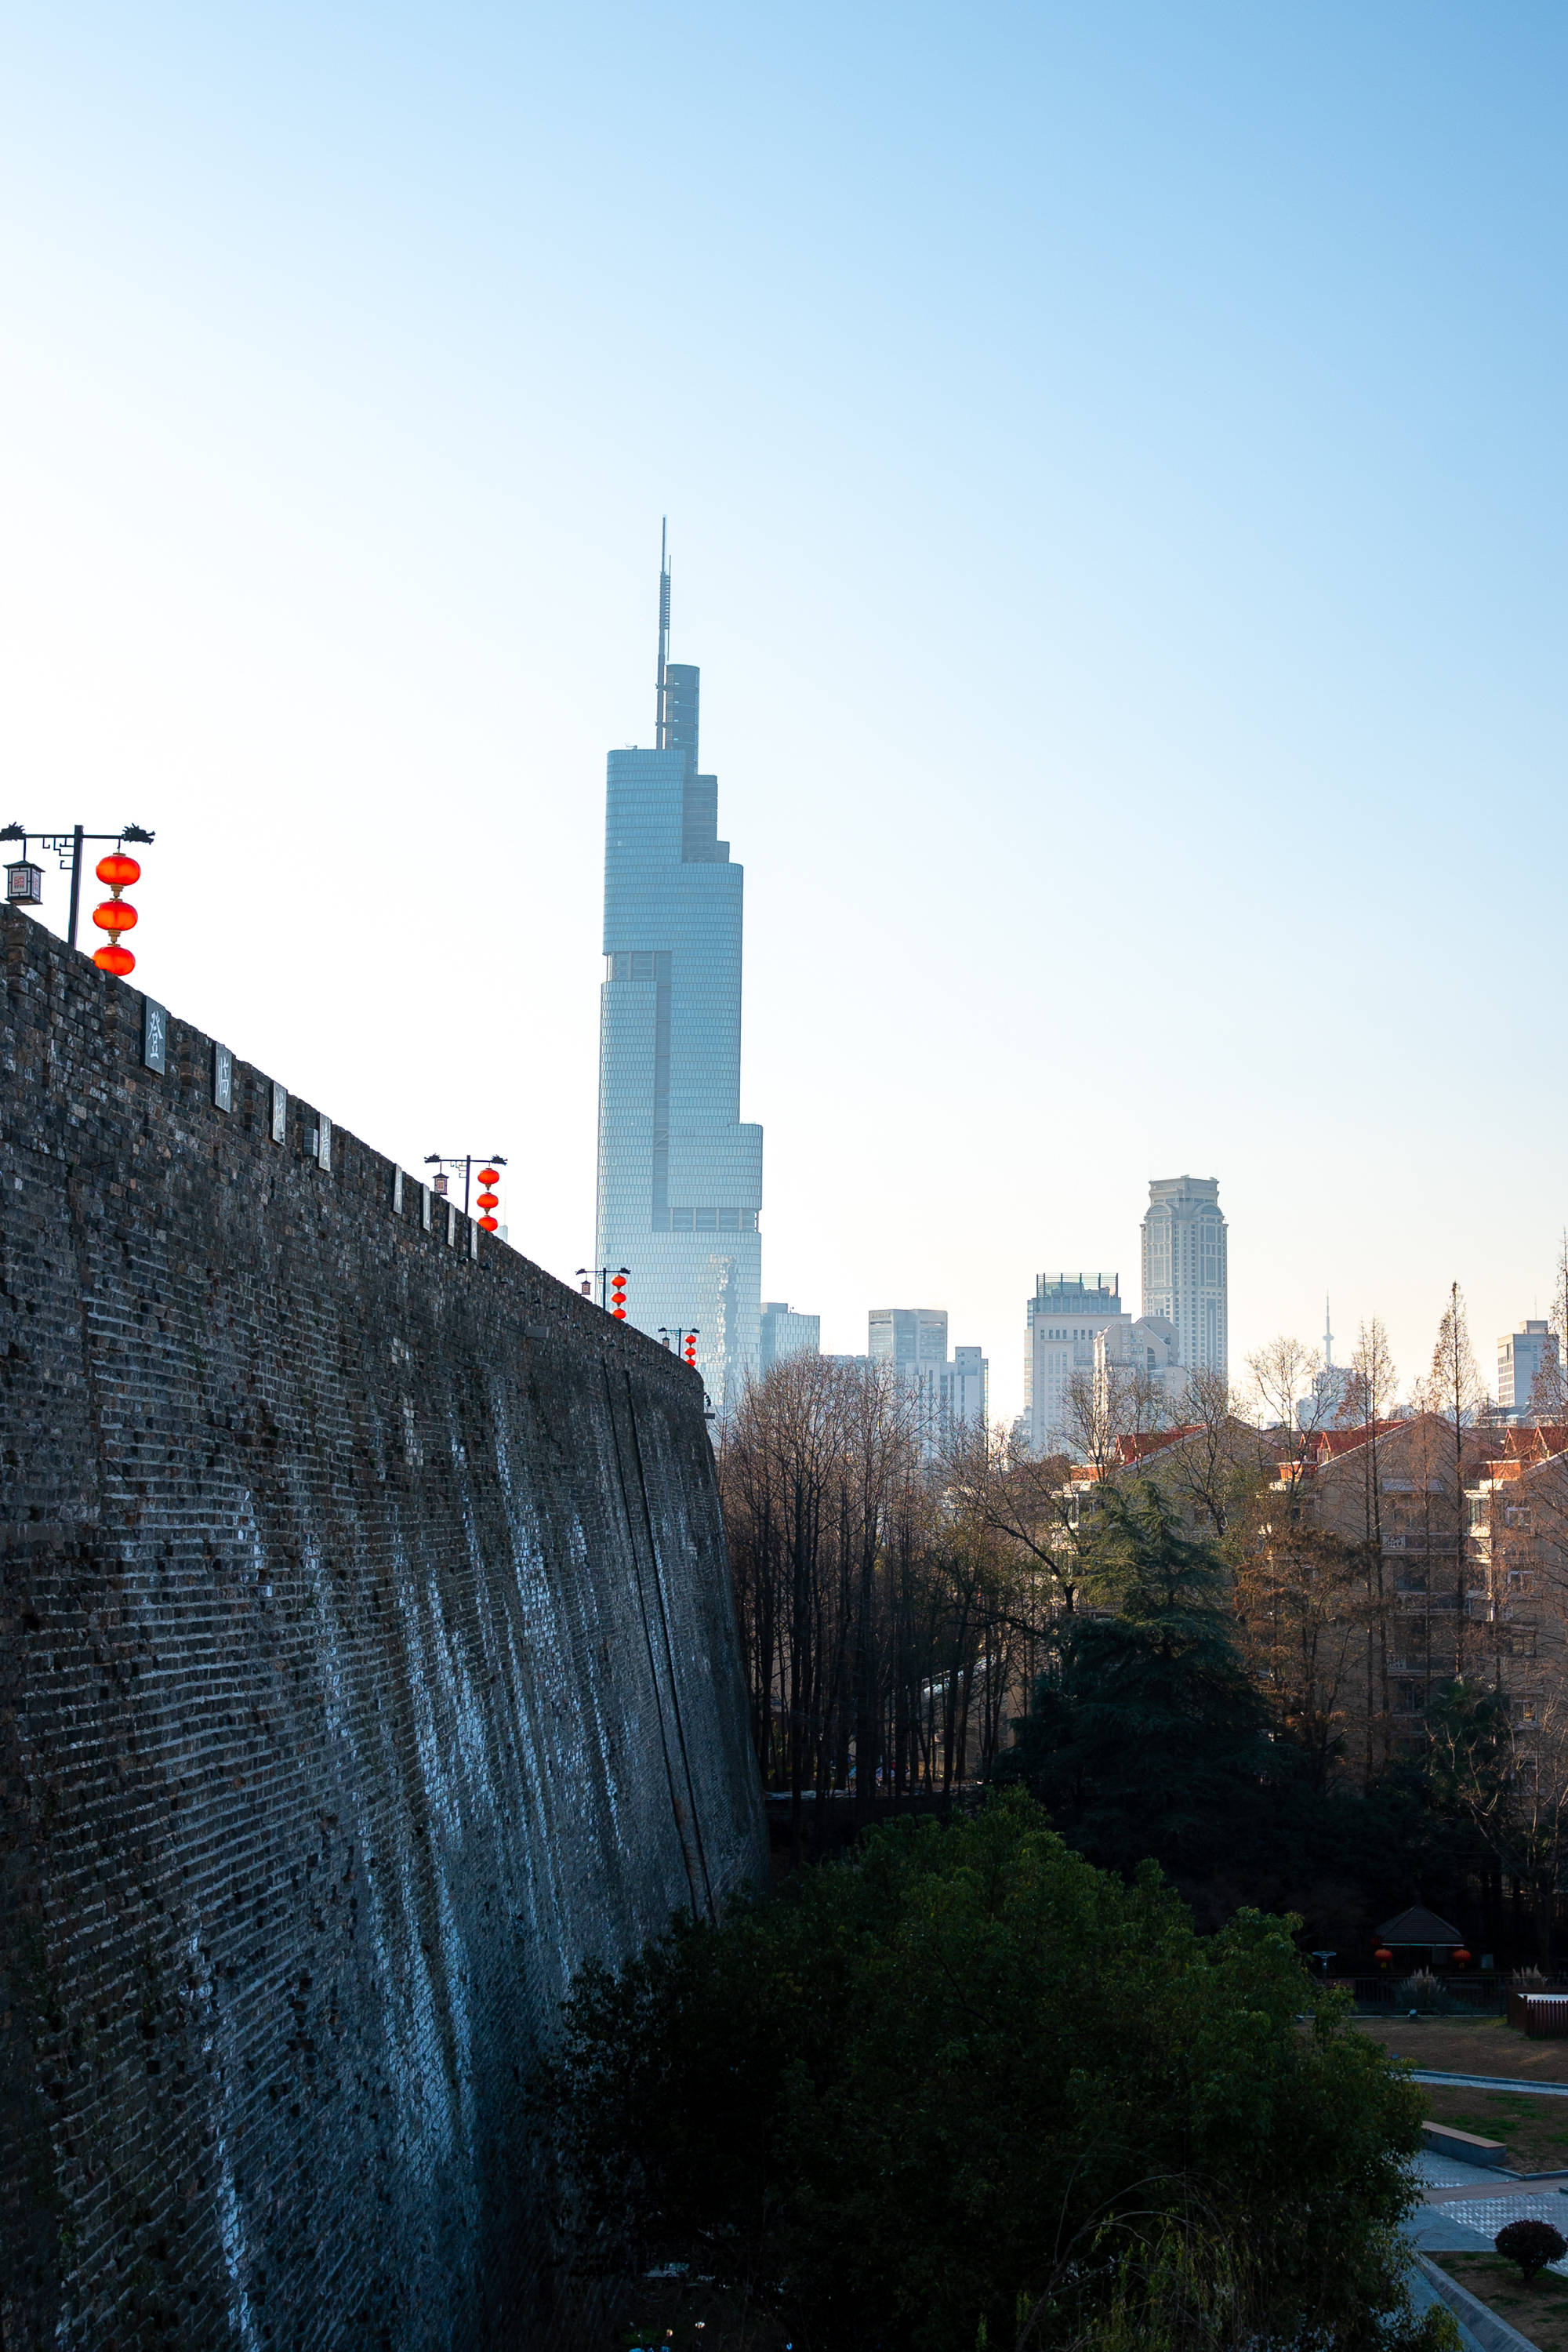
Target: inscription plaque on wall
154,1036
280,1112
223,1077
324,1142
424,1206
473,1237
451,1224
397,1192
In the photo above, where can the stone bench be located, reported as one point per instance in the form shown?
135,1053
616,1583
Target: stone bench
1465,2147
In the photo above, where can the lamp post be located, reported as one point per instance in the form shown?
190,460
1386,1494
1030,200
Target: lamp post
683,1338
468,1163
24,883
612,1279
1324,1958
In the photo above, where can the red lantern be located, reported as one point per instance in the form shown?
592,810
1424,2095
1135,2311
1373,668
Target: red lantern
618,1296
691,1349
1461,1958
488,1225
489,1201
116,914
1383,1956
489,1175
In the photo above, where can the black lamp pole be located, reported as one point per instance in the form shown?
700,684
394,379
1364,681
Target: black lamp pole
602,1274
435,1159
69,846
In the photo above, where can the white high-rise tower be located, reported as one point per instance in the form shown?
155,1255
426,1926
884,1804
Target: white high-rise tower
1185,1267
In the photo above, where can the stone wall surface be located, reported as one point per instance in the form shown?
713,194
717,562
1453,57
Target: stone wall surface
367,1662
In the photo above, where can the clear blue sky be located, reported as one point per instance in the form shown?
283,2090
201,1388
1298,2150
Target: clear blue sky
1114,459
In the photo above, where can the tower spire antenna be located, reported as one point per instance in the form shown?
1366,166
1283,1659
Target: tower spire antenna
661,726
1327,1332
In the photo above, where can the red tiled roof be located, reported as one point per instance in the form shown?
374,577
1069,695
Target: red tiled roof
1134,1449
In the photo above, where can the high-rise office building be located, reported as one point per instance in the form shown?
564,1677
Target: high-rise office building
1185,1267
1066,1315
680,1177
950,1395
785,1331
1524,1358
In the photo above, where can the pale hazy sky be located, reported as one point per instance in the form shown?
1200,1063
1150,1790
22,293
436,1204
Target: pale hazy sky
1114,458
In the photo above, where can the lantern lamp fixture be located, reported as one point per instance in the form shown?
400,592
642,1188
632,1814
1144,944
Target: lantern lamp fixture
25,881
612,1281
467,1162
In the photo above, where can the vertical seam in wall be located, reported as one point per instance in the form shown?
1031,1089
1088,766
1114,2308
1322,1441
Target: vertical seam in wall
647,1636
668,1647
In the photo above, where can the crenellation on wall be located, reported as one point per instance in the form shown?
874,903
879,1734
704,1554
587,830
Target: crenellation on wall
367,1662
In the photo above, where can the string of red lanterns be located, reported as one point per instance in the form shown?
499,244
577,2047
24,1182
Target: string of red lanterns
116,915
618,1296
490,1201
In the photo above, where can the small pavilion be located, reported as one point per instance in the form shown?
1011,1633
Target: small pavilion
1420,1930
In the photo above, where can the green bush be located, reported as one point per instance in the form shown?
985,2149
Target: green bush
1531,2244
967,2089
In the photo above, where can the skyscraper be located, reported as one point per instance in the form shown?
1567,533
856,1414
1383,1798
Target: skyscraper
681,1178
1524,1358
1065,1316
1185,1267
786,1331
950,1396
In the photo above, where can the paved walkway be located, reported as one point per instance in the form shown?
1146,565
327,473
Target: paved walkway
1495,2082
1464,2207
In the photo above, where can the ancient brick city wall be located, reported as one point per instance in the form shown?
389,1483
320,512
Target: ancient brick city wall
366,1661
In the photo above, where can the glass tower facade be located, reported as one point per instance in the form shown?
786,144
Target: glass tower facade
681,1176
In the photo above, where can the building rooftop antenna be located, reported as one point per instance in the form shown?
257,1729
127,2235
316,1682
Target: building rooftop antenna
661,731
1328,1333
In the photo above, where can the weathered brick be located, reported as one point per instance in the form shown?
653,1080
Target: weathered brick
367,1662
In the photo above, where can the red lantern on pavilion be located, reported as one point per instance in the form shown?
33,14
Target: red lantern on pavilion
1383,1956
117,914
618,1296
1461,1958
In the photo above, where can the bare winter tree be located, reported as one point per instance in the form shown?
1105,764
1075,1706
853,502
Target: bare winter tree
885,1596
1549,1389
1216,1467
1452,1392
1368,1404
1289,1400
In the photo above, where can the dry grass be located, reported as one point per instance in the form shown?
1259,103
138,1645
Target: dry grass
1533,2130
1467,2045
1538,2311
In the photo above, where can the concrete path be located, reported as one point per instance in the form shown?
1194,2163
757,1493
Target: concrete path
1495,2082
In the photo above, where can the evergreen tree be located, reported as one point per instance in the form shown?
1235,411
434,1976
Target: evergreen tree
1148,1736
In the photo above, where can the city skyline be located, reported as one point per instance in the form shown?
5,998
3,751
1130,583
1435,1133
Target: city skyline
1082,505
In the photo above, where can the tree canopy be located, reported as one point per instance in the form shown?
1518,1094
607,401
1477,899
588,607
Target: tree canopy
967,2089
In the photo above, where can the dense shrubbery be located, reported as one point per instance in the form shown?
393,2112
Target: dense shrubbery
1149,1739
967,2089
